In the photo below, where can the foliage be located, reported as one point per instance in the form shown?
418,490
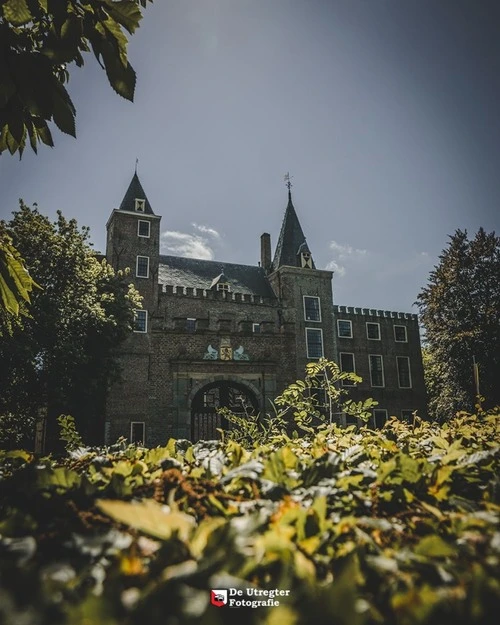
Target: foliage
68,432
16,284
38,40
396,526
61,356
306,403
460,311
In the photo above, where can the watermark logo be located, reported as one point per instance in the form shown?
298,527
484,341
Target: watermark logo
247,597
218,597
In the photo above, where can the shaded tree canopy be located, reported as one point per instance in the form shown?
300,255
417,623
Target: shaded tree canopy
460,311
38,40
60,356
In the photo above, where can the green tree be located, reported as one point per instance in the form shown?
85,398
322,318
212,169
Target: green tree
460,311
39,39
60,357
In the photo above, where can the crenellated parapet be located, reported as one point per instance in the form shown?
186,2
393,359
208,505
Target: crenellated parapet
168,290
372,312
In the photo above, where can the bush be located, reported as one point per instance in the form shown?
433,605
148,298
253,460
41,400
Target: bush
396,526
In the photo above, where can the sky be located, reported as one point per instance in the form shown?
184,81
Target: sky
386,113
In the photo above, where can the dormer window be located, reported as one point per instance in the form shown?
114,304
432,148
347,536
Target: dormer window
223,286
306,260
140,205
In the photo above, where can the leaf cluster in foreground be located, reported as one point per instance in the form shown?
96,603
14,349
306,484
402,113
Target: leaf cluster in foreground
394,526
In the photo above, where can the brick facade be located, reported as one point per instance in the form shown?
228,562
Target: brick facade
238,328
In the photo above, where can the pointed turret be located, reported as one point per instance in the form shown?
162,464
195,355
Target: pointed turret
135,199
292,249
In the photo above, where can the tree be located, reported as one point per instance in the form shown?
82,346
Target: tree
38,40
460,311
60,357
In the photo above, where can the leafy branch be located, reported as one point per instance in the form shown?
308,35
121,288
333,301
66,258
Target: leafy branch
38,40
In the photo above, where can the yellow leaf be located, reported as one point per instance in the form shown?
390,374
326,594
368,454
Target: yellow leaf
149,517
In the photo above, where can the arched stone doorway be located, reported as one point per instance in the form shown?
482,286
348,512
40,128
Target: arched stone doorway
222,394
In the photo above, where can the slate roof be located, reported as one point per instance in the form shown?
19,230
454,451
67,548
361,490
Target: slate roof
200,274
291,239
135,191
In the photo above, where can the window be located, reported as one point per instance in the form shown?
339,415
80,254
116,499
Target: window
140,205
347,364
312,311
350,420
256,328
379,418
376,370
319,396
407,415
142,267
137,432
344,328
140,320
223,286
314,340
373,331
404,375
190,324
400,335
143,228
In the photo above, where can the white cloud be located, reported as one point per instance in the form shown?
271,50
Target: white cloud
206,230
335,267
188,245
344,256
346,251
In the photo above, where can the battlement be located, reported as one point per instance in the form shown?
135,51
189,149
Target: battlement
372,312
220,296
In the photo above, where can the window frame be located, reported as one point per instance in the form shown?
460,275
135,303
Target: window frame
346,382
409,418
338,328
137,267
224,287
322,343
314,297
136,314
140,205
256,325
407,358
143,221
370,356
384,410
373,323
143,423
396,340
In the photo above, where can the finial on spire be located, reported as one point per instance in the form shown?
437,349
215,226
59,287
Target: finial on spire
289,185
136,164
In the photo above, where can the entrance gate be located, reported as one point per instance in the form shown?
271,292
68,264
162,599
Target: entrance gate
204,417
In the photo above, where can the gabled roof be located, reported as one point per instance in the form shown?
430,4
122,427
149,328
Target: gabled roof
135,191
291,240
200,274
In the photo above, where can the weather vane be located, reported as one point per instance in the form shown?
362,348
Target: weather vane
288,180
136,164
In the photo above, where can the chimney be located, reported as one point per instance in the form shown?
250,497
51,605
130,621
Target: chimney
265,251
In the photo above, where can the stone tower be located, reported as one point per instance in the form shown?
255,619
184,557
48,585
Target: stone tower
304,292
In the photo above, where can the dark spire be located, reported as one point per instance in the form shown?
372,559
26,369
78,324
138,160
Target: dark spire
135,192
291,241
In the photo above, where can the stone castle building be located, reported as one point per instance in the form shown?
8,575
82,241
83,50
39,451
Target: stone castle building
212,335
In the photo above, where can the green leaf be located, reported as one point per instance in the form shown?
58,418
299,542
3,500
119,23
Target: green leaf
125,13
434,547
16,12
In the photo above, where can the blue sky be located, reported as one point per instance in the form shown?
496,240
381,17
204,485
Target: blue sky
385,112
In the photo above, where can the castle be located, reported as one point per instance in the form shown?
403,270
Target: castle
212,335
